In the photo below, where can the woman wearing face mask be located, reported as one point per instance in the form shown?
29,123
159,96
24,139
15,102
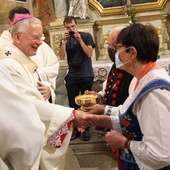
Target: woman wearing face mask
116,88
140,127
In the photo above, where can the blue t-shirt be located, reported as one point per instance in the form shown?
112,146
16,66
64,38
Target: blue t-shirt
75,54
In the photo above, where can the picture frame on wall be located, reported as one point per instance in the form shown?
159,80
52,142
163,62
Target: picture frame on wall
110,7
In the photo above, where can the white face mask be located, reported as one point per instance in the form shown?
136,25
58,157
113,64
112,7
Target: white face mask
118,62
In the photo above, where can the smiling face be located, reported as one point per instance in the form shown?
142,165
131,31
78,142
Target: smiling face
29,40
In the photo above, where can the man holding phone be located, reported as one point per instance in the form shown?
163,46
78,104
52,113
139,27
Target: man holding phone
79,49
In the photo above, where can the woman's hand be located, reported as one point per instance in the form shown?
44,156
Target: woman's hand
90,92
95,109
115,139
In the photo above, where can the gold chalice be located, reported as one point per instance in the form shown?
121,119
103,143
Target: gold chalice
86,100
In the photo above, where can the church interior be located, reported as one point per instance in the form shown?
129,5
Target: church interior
99,22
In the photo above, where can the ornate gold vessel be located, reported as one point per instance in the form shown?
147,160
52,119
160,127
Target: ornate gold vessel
86,99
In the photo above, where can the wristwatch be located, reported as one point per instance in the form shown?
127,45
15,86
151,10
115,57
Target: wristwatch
63,41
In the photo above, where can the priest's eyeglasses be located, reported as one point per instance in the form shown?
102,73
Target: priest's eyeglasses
37,37
34,36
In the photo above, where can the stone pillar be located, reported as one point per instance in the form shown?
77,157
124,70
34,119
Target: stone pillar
164,38
101,51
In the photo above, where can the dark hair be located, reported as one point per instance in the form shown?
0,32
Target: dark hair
144,38
17,10
69,19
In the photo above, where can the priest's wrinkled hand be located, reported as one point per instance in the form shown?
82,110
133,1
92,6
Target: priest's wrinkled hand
79,119
115,139
44,90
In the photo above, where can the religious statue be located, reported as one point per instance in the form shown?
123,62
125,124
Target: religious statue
78,9
60,7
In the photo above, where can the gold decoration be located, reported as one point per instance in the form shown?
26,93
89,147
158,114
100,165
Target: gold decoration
150,6
106,36
159,31
57,39
86,100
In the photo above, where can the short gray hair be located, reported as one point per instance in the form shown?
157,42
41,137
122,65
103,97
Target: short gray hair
22,25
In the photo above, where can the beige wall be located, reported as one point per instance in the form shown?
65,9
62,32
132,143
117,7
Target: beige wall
5,6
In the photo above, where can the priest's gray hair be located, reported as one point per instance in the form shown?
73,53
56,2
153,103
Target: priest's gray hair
22,25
